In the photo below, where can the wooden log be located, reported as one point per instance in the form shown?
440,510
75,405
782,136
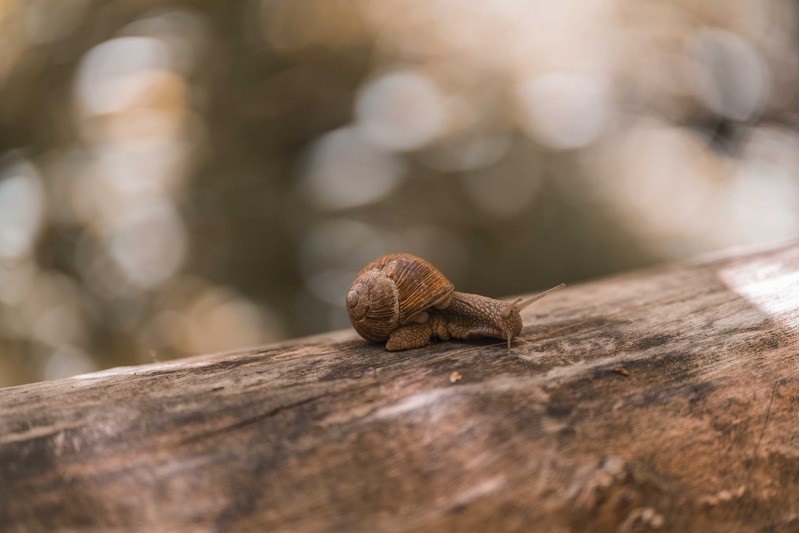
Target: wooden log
663,399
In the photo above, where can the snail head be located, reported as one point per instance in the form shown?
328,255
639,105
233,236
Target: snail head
511,313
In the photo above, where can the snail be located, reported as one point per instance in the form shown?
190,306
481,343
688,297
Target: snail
404,301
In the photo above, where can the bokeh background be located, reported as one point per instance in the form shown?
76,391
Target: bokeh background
193,176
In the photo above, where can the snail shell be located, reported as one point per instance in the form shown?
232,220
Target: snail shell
395,290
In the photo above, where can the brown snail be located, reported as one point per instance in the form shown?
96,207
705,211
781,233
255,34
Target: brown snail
404,301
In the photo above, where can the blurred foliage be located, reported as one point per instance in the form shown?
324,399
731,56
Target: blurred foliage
185,177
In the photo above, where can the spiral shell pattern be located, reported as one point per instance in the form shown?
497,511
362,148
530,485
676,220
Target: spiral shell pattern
391,291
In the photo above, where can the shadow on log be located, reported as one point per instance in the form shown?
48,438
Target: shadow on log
666,399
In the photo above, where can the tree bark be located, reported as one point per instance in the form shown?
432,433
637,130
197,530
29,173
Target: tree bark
663,399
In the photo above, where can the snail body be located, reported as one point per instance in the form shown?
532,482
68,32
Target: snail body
403,300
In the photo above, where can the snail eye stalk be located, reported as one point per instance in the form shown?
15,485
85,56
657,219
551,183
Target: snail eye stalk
538,297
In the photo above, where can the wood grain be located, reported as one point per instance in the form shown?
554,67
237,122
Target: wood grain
666,399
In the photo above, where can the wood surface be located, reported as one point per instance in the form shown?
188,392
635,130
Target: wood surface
661,400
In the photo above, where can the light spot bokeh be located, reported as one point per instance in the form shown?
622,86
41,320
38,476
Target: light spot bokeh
185,177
